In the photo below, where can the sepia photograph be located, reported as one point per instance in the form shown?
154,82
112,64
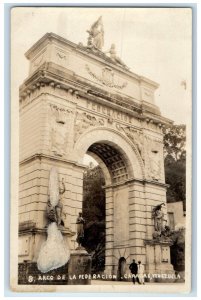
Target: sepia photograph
101,132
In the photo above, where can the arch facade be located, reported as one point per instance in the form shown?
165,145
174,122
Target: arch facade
74,112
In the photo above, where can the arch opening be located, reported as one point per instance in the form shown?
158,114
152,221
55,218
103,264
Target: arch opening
112,168
94,212
112,159
108,145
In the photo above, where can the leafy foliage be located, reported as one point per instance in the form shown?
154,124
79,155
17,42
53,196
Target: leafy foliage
175,162
94,214
175,141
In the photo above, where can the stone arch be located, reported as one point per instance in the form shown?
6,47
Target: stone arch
118,141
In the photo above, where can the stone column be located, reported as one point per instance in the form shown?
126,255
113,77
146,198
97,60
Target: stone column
121,225
109,239
137,221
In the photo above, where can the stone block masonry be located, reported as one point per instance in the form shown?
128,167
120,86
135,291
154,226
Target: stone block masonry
68,110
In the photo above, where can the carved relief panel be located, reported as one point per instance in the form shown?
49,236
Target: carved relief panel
60,120
154,159
136,136
85,120
38,60
60,57
106,77
165,254
147,95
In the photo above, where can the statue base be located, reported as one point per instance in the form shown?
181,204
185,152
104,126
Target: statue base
79,267
158,267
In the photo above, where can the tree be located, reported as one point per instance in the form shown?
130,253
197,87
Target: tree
175,142
175,174
175,162
94,214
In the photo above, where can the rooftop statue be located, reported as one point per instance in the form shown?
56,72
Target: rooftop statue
96,35
114,57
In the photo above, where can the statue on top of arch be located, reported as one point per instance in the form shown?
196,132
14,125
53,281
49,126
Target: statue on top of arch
114,57
96,35
96,42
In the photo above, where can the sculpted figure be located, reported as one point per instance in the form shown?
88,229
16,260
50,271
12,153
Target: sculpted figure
96,35
59,206
54,205
114,57
80,229
158,216
54,252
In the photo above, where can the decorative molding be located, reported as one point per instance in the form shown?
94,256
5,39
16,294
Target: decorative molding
84,121
124,137
60,113
38,61
107,77
136,136
50,158
152,242
61,56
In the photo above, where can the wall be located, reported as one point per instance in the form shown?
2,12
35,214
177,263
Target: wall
177,209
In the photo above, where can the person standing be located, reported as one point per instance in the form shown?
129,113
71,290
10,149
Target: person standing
140,270
133,268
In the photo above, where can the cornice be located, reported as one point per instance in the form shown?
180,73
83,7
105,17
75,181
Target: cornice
142,181
94,55
46,75
40,156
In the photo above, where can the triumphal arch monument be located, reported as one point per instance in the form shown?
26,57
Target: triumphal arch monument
79,100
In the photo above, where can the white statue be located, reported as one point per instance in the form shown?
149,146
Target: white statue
54,204
114,57
54,252
159,218
96,35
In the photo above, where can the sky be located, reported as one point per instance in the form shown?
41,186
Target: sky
153,42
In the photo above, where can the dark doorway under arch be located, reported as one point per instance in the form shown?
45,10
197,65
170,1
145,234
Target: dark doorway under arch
121,269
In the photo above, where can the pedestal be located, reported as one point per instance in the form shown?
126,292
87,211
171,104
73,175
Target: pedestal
79,268
158,267
32,237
